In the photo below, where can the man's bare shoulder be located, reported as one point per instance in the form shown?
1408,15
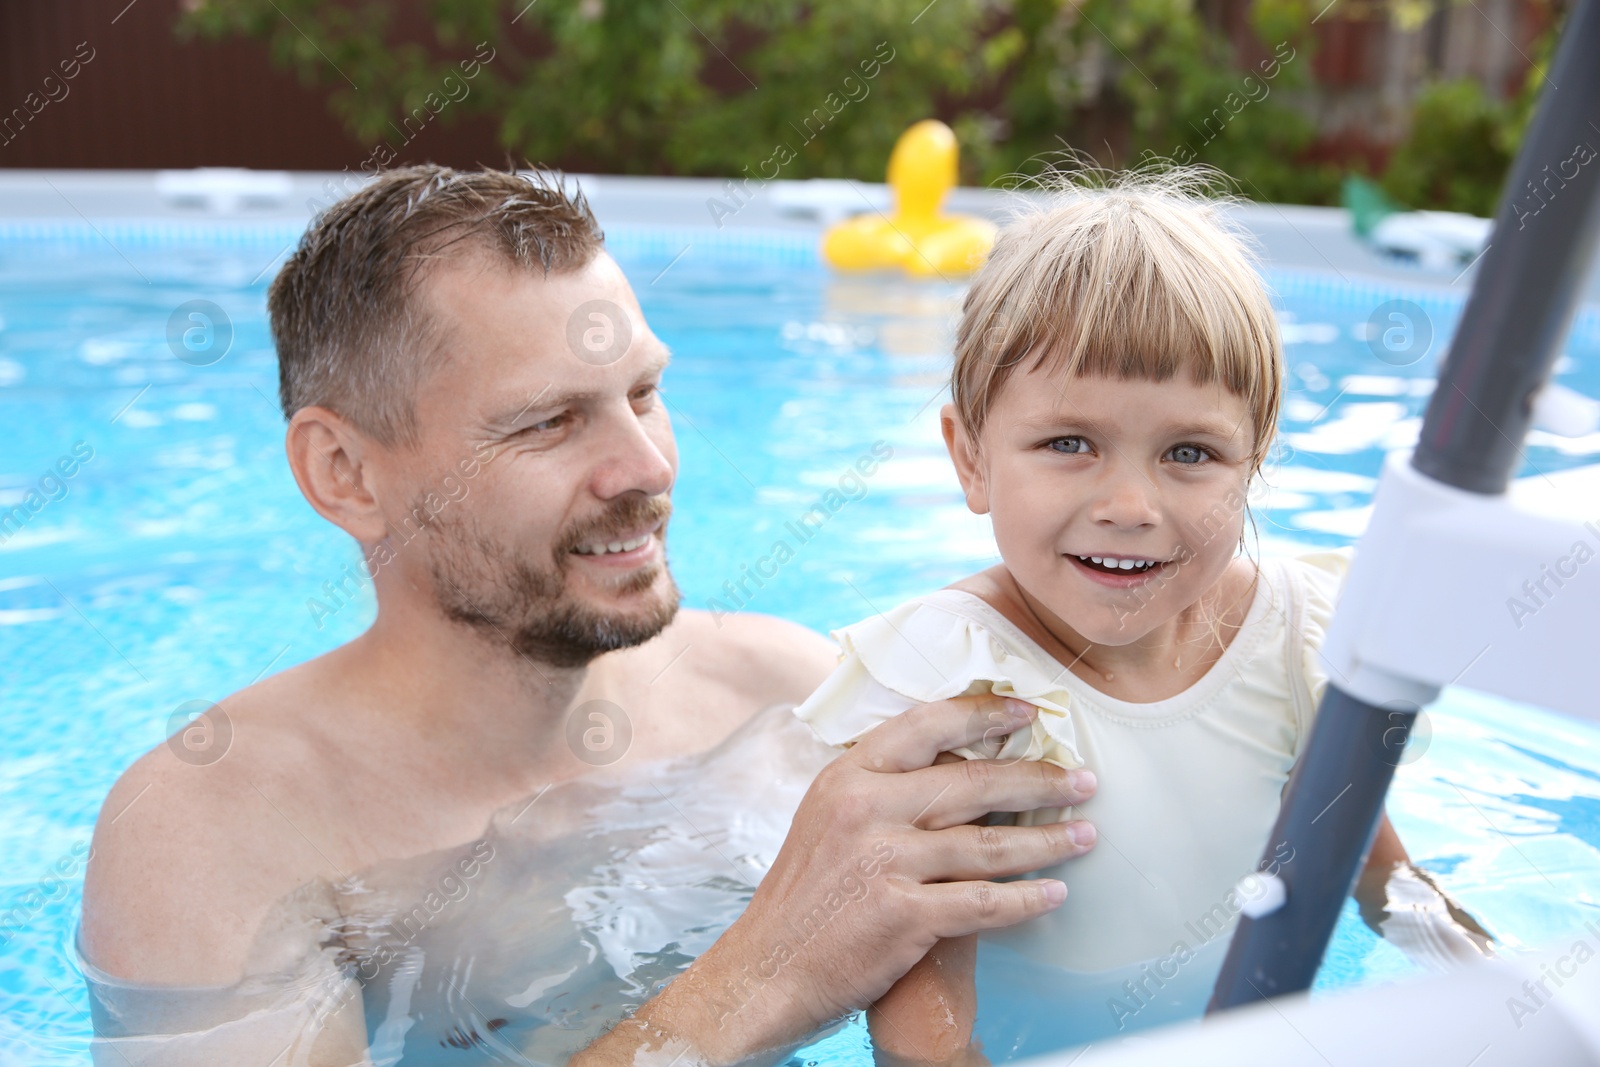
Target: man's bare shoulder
704,676
197,840
768,659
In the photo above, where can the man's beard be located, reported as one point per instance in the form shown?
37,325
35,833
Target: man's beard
481,582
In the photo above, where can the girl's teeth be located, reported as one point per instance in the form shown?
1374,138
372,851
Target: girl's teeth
1120,564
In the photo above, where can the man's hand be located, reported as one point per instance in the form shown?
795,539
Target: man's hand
879,864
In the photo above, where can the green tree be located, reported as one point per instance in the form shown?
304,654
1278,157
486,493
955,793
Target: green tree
1124,80
1457,154
1462,142
822,88
646,86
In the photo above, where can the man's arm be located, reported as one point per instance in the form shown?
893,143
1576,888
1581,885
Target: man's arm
879,864
186,863
154,909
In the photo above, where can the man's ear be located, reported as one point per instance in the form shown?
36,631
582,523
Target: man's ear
332,463
964,454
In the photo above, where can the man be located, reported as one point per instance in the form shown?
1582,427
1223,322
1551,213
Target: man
471,391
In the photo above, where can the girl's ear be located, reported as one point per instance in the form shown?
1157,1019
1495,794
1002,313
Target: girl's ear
964,454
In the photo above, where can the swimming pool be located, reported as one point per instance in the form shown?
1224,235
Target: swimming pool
177,561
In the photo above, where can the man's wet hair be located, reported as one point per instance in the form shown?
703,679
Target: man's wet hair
352,327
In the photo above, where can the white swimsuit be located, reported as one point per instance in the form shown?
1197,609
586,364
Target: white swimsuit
1189,787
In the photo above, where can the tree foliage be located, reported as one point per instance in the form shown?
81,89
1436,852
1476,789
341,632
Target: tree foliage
821,88
1462,142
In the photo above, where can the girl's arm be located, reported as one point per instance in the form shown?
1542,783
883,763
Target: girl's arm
1406,907
1386,853
926,1017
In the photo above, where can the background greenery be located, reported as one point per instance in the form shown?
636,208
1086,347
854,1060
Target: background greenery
710,87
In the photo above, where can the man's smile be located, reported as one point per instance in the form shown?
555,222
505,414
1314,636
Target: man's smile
629,550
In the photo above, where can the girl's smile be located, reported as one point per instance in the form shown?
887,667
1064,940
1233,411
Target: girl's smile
1117,573
1146,477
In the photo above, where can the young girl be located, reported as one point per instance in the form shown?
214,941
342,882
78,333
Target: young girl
1115,389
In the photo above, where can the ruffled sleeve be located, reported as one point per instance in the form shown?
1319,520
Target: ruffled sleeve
921,652
1323,574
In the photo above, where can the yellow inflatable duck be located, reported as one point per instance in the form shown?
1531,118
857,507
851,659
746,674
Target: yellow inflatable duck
915,236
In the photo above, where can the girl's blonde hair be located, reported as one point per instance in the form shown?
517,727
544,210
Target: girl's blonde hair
1128,275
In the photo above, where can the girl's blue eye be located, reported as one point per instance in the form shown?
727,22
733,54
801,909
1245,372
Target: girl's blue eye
1187,455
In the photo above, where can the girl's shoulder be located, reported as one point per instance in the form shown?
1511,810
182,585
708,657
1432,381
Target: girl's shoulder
932,646
937,646
1332,562
989,585
944,644
1317,578
1321,574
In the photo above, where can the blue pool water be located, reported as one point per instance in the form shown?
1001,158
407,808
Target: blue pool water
176,562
